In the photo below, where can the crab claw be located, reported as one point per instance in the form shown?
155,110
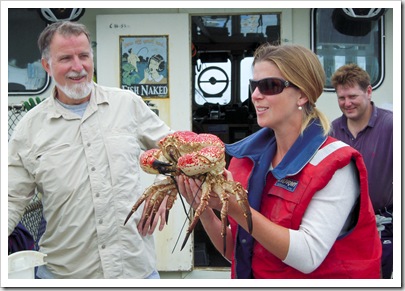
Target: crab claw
163,167
128,217
138,203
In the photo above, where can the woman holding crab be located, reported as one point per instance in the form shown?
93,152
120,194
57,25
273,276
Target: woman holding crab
312,216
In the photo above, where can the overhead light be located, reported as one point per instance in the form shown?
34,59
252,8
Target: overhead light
60,14
364,13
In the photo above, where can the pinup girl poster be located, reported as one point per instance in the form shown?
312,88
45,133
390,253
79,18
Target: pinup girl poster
144,66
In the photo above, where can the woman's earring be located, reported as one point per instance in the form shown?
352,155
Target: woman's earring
299,107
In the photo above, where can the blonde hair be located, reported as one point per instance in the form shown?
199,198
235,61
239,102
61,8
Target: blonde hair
301,67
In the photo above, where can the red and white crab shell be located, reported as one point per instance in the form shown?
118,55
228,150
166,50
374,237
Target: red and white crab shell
200,156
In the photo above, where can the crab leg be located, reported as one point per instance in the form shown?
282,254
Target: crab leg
241,197
205,190
224,196
235,188
156,192
138,203
224,218
170,202
156,200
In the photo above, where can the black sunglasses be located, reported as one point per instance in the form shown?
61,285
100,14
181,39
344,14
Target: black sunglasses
269,86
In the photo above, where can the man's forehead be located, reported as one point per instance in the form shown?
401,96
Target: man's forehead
69,35
71,39
348,87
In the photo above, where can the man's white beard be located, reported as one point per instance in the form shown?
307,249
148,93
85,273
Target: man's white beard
76,91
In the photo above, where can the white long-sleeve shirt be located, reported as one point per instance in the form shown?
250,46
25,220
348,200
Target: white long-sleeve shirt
323,220
87,170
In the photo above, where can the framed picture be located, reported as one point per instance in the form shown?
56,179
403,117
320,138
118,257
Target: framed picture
144,65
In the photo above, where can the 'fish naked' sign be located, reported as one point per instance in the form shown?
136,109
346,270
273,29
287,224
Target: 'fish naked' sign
144,65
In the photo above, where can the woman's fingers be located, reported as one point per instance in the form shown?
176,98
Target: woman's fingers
190,189
228,175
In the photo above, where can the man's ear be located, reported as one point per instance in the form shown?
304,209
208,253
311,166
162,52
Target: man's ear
369,91
46,66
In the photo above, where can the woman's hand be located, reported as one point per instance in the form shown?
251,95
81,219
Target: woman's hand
191,190
228,175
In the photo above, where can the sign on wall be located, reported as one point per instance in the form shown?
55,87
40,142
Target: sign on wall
144,65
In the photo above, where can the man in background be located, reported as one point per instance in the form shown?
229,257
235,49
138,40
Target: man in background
368,129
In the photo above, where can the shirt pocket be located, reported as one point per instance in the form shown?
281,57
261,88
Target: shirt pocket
280,202
57,168
123,152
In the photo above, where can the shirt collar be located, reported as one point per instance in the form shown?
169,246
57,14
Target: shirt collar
96,98
301,152
304,148
374,115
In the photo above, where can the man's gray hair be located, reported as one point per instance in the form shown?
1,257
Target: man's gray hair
65,28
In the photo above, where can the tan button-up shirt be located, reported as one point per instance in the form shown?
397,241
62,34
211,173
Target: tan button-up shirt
87,170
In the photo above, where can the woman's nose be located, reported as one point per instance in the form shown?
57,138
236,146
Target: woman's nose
256,94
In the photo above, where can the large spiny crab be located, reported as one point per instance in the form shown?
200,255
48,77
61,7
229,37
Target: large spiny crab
199,156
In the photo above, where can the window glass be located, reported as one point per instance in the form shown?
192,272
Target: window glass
339,39
245,75
212,83
224,45
25,73
266,24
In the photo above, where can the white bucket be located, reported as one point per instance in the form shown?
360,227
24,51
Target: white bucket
21,265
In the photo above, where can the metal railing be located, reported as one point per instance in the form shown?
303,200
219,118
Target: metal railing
15,113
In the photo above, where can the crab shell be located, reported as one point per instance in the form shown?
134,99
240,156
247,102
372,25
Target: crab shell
181,143
209,159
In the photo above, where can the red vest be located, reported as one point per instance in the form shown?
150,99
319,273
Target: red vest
356,255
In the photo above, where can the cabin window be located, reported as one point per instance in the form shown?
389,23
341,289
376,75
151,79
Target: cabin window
342,36
221,45
246,73
25,73
213,82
